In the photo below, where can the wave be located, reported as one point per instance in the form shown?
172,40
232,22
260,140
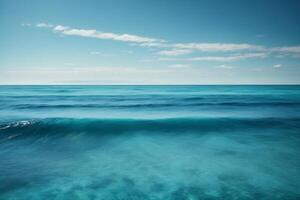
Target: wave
151,105
61,126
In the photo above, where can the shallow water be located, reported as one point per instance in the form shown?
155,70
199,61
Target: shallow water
149,142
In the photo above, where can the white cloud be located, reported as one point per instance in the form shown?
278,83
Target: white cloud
44,25
235,57
206,47
229,58
174,52
256,51
176,49
277,65
60,28
242,50
179,66
26,24
91,33
294,50
155,44
210,47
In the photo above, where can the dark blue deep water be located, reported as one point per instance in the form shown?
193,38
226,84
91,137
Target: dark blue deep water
149,142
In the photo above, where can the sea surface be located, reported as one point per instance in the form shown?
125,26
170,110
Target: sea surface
150,142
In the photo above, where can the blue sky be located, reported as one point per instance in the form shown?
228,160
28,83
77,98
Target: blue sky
149,42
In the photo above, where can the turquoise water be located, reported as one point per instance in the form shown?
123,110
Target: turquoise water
149,142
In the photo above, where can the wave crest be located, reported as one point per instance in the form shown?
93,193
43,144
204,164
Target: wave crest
61,126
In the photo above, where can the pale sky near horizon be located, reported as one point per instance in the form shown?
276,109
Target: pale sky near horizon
149,42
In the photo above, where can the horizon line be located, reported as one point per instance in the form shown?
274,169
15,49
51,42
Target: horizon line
217,84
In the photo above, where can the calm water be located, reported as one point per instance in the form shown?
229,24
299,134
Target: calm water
149,142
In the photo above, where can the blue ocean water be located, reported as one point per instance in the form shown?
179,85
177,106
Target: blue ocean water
149,142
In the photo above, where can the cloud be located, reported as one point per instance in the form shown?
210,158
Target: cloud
44,25
155,44
235,57
26,24
202,47
174,52
165,48
206,47
219,58
230,58
211,47
292,50
91,33
277,65
179,66
174,49
60,28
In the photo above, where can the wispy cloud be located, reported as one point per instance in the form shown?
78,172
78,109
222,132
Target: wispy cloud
174,52
155,44
210,47
277,65
26,24
235,57
187,48
230,58
206,47
175,49
60,28
44,25
91,33
238,51
292,50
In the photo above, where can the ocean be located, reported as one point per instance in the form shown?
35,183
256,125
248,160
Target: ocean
150,142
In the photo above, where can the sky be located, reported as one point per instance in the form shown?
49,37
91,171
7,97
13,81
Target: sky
149,42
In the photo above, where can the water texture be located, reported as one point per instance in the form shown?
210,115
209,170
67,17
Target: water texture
149,142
